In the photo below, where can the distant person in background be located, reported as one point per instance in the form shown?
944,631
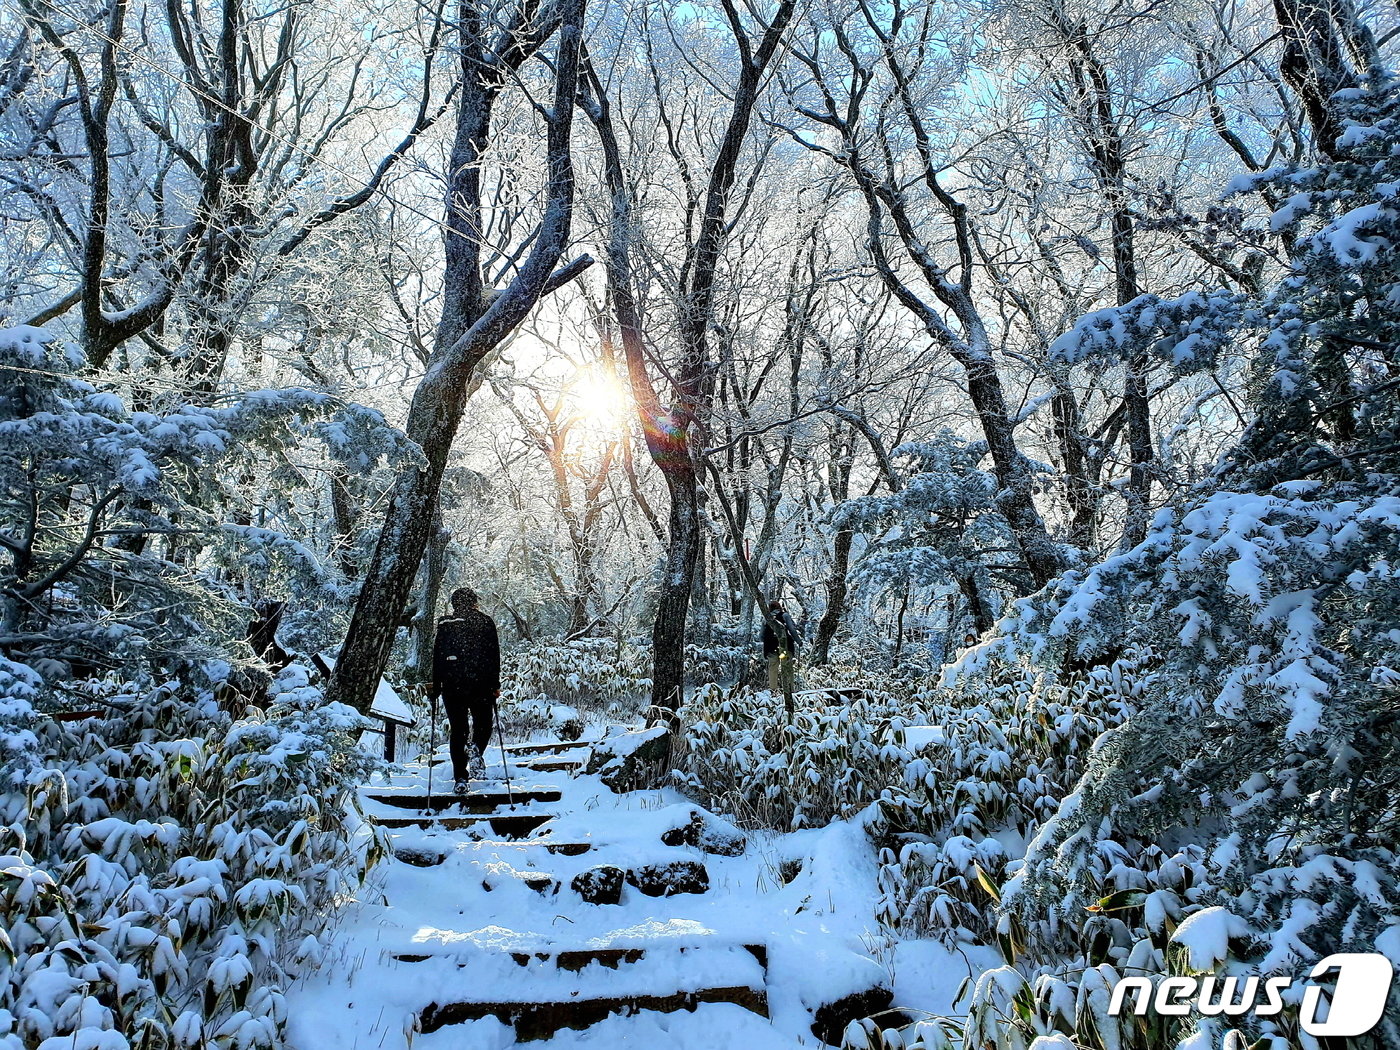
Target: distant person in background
467,675
779,647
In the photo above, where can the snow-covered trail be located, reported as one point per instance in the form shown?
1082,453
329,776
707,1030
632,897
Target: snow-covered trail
473,936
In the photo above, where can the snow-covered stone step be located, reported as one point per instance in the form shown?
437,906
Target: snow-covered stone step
551,765
549,991
563,849
505,825
544,761
434,850
543,1020
472,802
552,748
575,960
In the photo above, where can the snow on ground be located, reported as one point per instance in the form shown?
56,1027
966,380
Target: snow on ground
423,935
712,1026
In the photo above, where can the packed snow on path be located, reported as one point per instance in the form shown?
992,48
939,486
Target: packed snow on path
417,936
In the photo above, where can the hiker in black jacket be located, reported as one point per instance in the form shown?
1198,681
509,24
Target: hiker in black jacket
467,675
779,648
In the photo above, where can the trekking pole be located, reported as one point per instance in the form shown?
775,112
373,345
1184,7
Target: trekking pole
432,752
501,742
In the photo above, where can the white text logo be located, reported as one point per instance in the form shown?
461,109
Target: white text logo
1353,1008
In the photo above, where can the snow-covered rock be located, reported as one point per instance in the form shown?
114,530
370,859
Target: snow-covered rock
630,760
600,885
707,832
669,878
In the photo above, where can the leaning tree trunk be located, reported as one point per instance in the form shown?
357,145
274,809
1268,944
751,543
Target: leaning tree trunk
425,623
473,323
433,419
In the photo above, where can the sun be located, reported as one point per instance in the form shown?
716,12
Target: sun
601,404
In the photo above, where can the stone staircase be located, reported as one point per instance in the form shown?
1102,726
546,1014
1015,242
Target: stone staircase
543,908
546,989
541,989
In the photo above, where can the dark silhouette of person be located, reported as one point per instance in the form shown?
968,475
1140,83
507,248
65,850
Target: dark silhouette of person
262,634
779,647
467,675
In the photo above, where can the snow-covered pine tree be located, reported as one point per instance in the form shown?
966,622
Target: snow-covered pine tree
940,527
114,521
1261,777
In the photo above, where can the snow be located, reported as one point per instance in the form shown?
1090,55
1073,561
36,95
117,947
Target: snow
387,704
87,1039
1351,237
1206,936
1289,213
819,931
928,976
917,738
1388,943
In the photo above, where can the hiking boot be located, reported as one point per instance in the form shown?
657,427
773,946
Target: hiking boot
477,764
462,787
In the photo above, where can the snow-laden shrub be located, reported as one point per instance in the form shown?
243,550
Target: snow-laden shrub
933,1034
164,870
950,774
720,662
1257,785
594,675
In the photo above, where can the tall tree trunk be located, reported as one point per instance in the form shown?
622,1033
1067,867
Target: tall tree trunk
839,481
343,513
425,623
473,322
836,587
1079,491
1015,499
702,613
1092,92
671,432
1135,393
677,582
899,626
